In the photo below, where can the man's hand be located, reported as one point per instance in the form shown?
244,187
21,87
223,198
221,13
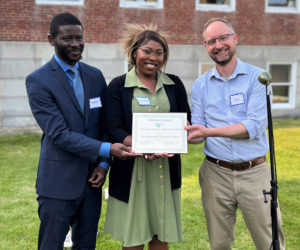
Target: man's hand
121,151
196,131
98,177
196,140
234,131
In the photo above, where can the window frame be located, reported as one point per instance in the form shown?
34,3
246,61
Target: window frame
278,9
126,65
216,7
292,85
58,2
200,66
141,4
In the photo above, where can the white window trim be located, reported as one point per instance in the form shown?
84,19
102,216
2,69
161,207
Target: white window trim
141,4
125,65
58,2
291,84
216,7
200,66
275,9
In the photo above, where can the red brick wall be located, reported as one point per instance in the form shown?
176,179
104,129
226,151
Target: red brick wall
103,20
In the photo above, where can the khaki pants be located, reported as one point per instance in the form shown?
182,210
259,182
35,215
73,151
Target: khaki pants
223,190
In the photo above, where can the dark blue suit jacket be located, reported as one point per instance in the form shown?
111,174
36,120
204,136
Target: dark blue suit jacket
70,142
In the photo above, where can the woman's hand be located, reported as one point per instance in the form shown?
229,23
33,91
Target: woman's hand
128,141
151,157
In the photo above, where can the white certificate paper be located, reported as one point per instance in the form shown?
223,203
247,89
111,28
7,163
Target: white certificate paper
159,133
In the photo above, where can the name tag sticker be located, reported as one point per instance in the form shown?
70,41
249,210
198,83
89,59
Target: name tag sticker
143,100
237,99
95,103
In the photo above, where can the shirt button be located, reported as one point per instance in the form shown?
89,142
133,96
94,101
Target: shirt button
160,166
161,177
161,186
156,107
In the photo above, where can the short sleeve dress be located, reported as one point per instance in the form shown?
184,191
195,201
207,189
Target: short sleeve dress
153,207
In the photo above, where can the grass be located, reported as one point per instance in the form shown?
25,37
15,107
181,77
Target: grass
18,207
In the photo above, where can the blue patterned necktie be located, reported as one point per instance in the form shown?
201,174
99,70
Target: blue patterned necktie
78,88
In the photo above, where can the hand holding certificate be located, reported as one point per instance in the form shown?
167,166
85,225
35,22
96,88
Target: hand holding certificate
159,133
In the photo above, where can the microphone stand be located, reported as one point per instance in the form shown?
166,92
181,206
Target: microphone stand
265,78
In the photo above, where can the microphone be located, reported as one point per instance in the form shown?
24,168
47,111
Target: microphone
265,78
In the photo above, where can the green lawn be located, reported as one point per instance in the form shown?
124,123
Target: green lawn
18,207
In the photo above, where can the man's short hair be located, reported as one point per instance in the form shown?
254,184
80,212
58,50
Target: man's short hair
63,19
217,19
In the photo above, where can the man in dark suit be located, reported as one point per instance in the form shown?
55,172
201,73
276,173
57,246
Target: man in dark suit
66,98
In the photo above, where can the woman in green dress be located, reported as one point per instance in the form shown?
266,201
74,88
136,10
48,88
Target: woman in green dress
144,192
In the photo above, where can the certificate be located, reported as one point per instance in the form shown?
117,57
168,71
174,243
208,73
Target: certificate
159,133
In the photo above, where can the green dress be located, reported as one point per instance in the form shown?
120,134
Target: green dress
153,207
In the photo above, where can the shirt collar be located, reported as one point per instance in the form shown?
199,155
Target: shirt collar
133,81
64,65
240,69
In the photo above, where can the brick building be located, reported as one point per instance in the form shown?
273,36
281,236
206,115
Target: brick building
269,37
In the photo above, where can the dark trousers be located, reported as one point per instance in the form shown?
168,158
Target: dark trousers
82,214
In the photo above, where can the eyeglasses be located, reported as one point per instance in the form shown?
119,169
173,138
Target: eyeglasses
220,39
149,52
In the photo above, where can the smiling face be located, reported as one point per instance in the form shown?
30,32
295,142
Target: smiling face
68,43
149,58
223,50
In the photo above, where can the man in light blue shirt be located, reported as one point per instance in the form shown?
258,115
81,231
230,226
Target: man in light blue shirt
229,112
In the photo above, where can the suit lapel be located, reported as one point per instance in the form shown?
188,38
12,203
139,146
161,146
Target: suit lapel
88,91
86,87
64,82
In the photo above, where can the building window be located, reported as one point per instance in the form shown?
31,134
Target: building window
216,5
282,6
283,84
156,4
204,67
60,2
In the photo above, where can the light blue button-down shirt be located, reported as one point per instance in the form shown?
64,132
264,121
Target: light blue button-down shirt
104,150
217,102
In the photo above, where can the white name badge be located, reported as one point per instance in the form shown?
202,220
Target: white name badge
95,103
143,100
237,99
